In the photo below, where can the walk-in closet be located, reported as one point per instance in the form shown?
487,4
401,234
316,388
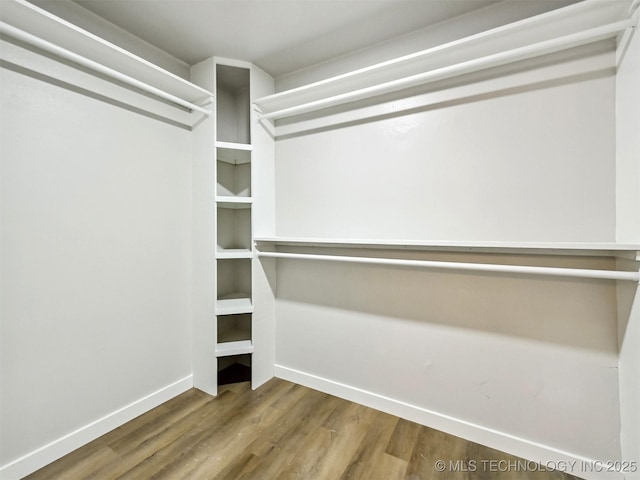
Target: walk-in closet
429,210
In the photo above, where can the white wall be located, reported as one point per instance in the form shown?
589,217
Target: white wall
629,367
628,230
96,208
524,162
532,358
628,145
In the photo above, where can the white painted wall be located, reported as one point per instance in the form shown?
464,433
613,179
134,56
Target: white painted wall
523,162
205,371
629,367
96,208
628,230
533,358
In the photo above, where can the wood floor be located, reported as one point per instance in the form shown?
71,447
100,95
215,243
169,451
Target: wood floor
280,431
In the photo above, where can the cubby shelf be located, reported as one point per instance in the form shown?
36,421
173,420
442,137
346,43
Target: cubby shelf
238,347
234,156
231,253
235,146
233,202
313,246
234,304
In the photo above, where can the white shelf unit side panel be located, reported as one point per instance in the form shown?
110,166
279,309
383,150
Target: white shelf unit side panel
228,349
263,212
203,242
234,306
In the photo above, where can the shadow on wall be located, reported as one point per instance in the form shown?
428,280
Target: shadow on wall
575,312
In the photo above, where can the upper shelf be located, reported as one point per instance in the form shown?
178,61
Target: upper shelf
543,248
578,24
36,22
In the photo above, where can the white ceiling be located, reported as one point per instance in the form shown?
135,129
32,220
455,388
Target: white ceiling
279,36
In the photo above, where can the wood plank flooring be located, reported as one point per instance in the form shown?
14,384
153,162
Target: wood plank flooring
280,431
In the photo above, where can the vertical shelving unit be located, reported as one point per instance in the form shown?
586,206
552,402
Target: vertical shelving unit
233,222
233,200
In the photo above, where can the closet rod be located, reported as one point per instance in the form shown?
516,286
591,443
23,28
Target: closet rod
482,267
494,60
47,46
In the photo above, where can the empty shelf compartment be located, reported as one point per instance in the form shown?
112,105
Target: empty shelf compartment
234,335
234,369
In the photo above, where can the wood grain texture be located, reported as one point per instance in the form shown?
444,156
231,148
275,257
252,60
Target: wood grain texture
280,431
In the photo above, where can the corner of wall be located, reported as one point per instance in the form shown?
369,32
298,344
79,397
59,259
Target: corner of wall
628,231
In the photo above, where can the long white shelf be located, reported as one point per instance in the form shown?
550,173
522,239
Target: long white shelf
34,25
575,25
481,267
563,248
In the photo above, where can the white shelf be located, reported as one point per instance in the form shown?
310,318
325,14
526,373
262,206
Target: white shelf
247,147
564,248
234,304
564,28
504,268
231,253
50,28
239,347
233,202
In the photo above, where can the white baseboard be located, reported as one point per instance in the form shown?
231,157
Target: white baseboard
544,455
68,443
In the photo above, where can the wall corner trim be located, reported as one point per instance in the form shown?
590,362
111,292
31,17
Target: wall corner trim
54,450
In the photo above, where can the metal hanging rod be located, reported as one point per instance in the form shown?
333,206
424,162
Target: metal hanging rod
489,61
481,267
21,35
